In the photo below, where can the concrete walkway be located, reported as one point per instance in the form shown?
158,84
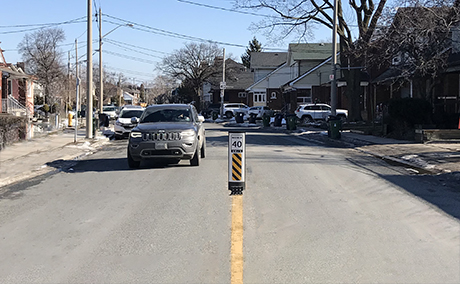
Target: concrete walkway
31,158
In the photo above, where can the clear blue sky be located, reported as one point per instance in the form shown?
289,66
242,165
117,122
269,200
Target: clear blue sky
134,51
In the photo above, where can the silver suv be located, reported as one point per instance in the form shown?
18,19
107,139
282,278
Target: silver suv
230,110
311,112
170,132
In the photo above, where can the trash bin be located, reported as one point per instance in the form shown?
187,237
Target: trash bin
278,120
215,115
239,117
103,120
252,118
335,125
291,123
95,125
266,120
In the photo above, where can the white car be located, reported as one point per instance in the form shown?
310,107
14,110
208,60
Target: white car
110,111
260,111
311,112
123,125
231,109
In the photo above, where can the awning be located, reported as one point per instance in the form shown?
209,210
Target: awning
13,74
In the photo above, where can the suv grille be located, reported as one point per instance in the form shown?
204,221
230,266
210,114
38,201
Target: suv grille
161,136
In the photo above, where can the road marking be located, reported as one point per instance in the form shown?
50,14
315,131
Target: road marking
237,240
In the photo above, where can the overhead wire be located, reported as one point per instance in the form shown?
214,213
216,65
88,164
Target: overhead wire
163,32
40,26
229,10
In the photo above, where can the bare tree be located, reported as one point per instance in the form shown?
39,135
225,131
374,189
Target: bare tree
301,16
161,89
193,64
40,52
417,41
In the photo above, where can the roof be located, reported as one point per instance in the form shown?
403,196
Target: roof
162,106
309,51
236,76
267,59
15,73
265,78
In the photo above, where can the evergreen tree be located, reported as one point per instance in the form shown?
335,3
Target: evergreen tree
254,46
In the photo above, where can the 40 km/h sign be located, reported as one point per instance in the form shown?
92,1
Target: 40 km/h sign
236,162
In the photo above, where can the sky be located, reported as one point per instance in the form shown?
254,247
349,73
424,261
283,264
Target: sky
158,29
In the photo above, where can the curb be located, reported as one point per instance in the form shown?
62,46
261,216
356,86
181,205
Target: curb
45,169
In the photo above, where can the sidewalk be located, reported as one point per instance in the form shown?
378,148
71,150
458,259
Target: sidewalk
440,157
31,158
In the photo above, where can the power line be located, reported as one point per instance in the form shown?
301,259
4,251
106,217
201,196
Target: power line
130,57
136,46
228,10
146,75
127,48
40,26
163,32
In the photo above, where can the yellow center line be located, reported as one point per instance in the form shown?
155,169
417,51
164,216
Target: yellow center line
237,240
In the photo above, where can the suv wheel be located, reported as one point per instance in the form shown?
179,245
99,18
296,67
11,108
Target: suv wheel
229,114
131,163
307,119
203,149
195,161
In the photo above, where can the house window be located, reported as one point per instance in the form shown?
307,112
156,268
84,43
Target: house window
260,97
273,96
241,94
9,88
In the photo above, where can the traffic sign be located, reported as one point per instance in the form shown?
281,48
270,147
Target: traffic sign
223,85
236,162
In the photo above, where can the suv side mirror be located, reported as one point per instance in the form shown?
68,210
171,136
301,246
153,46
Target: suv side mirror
134,120
200,118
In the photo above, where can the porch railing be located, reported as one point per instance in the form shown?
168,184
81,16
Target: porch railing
11,105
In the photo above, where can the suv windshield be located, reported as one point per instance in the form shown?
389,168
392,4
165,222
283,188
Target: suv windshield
109,108
165,115
128,113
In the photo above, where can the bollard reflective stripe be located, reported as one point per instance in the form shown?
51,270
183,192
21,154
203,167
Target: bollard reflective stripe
236,162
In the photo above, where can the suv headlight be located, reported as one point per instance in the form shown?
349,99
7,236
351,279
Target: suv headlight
118,123
135,134
187,134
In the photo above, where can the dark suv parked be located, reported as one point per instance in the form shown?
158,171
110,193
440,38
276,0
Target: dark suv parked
171,132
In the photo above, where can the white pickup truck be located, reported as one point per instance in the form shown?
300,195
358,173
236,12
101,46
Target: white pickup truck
311,112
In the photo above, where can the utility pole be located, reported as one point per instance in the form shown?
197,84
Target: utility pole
76,91
89,75
222,87
334,63
101,83
68,85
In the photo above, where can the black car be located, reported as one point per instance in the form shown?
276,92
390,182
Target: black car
170,132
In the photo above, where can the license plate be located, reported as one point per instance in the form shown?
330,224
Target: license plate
161,146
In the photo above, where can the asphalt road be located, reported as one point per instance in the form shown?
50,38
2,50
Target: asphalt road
310,214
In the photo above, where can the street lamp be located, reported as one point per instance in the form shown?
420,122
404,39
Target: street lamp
101,84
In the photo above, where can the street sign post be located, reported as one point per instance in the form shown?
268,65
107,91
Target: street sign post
236,162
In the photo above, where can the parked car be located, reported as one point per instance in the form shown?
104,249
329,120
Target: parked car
231,109
210,109
123,124
110,111
311,112
170,132
260,111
